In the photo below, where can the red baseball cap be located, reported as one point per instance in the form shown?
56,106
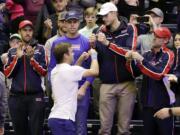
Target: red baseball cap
25,23
162,32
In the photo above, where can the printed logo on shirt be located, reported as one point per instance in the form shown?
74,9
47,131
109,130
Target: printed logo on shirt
156,62
76,46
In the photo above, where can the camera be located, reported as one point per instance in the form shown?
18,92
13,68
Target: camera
142,19
33,42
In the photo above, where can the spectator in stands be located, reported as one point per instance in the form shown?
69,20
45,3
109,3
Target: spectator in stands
178,18
60,32
46,10
156,17
3,47
16,11
3,102
14,42
172,111
51,22
154,65
64,78
3,99
90,18
175,82
4,28
32,8
128,7
118,85
167,112
158,3
177,46
26,65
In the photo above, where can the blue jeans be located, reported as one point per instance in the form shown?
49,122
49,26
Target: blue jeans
61,126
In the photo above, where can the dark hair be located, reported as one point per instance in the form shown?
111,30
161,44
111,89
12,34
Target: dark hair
60,50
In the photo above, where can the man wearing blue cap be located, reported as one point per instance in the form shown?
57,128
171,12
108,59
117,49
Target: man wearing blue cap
80,44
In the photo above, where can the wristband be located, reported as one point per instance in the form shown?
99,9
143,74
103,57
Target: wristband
94,56
170,112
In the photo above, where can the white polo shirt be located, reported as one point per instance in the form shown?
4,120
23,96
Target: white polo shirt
64,80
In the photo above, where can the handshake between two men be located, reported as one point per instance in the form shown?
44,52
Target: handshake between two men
133,55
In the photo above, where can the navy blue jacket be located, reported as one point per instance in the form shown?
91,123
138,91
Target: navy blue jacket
154,66
26,72
113,66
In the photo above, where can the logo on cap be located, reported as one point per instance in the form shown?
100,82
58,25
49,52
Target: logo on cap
72,15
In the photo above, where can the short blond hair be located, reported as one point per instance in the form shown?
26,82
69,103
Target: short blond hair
90,11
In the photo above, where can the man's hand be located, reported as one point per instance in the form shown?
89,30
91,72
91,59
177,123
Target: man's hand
151,23
81,92
133,18
101,37
2,6
162,114
92,40
172,77
48,23
137,56
29,51
84,56
1,130
128,55
19,52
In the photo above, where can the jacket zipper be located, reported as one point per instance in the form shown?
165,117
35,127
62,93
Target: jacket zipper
25,91
115,59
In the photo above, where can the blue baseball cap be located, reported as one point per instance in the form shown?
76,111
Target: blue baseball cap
72,15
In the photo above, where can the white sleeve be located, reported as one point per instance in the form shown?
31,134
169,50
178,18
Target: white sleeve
77,73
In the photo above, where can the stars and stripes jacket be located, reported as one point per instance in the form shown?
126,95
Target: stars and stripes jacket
26,72
113,66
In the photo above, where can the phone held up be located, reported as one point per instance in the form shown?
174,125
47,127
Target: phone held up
143,19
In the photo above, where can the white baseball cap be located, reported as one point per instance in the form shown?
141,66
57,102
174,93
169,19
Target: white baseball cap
15,36
106,8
